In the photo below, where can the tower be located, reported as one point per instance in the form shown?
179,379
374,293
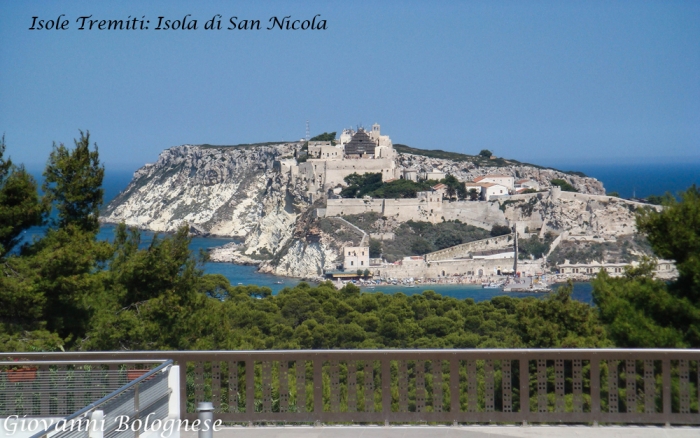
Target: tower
375,133
307,131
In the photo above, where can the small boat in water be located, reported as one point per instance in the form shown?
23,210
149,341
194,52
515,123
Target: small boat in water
492,285
528,285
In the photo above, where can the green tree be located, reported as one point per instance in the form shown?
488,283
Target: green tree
326,136
564,185
560,321
375,248
500,230
640,311
485,153
73,184
421,246
665,199
19,202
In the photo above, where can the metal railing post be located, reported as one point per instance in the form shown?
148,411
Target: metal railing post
595,388
206,419
386,389
524,364
137,405
96,424
318,390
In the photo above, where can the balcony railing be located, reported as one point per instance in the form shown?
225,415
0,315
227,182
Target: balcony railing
433,386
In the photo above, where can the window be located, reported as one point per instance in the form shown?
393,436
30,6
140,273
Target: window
352,263
362,263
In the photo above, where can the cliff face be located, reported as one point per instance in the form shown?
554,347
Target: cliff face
573,213
217,190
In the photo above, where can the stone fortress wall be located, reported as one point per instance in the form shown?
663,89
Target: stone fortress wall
481,214
442,268
466,249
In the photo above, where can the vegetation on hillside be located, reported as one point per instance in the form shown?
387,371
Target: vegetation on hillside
326,136
418,238
483,159
564,185
534,246
665,199
371,184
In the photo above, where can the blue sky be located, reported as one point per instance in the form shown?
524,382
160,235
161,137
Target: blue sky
545,82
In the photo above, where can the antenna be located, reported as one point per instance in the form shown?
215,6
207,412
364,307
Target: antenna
307,131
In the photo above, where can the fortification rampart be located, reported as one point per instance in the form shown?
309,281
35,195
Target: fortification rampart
481,214
443,268
346,206
522,196
401,209
571,196
464,249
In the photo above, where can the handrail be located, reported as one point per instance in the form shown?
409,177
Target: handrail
478,351
103,400
641,386
74,362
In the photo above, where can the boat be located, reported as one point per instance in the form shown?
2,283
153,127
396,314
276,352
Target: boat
528,285
492,285
278,282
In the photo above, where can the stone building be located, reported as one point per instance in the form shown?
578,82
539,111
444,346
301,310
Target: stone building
491,190
504,180
355,257
324,150
357,152
664,268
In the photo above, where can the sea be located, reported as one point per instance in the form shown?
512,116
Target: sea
638,180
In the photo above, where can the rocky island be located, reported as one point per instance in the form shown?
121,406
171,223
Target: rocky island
358,205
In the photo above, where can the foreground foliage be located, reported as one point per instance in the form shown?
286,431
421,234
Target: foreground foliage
640,311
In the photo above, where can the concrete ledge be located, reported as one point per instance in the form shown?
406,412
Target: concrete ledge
448,432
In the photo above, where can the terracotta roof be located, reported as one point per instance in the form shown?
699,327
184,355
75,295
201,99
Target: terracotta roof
523,180
439,186
390,180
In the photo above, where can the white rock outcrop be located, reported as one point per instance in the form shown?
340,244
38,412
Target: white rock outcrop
217,190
